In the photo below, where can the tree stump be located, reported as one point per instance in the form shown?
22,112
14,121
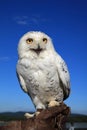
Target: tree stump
53,118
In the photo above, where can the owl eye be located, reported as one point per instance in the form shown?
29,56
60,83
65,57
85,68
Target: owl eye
45,40
29,40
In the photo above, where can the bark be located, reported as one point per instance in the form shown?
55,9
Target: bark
53,118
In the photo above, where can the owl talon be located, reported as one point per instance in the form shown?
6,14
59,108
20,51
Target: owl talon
37,113
28,115
53,103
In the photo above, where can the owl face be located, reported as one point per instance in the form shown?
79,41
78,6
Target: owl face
34,42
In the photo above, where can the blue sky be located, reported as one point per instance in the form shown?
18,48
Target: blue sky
65,21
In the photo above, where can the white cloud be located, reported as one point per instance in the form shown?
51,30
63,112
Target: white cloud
27,20
4,59
22,20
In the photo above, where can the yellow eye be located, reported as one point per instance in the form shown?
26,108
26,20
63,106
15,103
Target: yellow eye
45,40
29,40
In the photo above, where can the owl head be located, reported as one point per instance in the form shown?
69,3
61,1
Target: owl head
35,43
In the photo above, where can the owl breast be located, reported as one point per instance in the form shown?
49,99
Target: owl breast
42,79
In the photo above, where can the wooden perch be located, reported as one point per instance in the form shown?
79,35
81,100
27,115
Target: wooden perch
53,118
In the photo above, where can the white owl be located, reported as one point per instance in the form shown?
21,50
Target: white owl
42,73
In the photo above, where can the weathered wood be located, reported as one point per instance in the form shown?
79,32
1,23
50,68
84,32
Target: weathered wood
53,118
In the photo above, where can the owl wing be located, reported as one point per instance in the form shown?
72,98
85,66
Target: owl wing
63,74
21,79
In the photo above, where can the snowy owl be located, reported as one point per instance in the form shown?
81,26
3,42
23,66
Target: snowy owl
41,71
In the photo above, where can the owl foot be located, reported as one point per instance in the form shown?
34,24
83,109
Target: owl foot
37,113
28,115
53,103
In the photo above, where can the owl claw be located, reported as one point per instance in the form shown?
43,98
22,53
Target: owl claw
28,115
53,103
37,113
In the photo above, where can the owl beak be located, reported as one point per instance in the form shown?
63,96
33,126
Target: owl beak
38,49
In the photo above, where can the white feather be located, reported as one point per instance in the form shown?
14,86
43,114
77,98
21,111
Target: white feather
63,74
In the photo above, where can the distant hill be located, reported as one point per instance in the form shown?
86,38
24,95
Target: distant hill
8,116
77,118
